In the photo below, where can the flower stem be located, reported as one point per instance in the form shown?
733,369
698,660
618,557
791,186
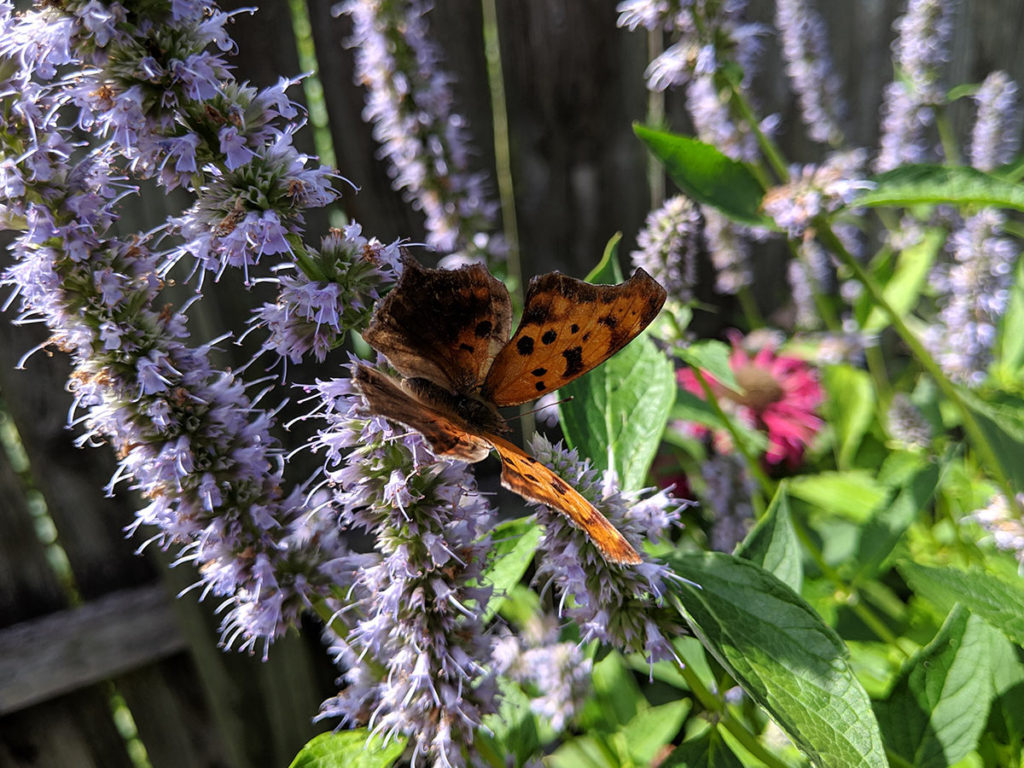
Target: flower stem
771,152
738,730
767,486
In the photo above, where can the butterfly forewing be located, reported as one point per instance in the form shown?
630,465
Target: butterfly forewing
523,474
443,325
445,432
569,327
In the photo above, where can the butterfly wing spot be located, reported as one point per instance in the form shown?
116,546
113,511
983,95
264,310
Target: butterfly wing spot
540,386
539,371
525,346
466,348
608,320
483,329
549,337
573,362
574,328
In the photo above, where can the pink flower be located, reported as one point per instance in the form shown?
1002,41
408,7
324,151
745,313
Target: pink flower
779,397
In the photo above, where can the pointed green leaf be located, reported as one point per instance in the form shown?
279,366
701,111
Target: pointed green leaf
512,730
885,528
514,542
707,751
713,357
938,707
619,410
958,185
348,749
853,495
1007,715
608,271
999,602
1003,425
785,657
708,176
653,728
850,407
772,543
913,265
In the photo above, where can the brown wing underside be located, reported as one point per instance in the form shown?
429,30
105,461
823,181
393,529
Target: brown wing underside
444,325
526,476
569,327
445,433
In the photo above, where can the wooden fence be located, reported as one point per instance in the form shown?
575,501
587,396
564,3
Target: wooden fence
80,636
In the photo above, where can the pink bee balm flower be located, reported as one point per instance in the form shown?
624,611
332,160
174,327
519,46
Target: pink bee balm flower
780,396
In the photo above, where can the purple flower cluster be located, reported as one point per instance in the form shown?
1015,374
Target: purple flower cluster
728,489
810,69
668,246
974,291
312,314
816,189
555,672
188,437
1006,529
921,51
995,139
617,605
410,101
413,637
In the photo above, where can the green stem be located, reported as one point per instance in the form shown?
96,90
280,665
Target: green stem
749,306
753,465
771,152
502,144
738,730
863,612
655,117
946,137
986,452
327,615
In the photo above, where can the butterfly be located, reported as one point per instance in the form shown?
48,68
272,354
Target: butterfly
447,332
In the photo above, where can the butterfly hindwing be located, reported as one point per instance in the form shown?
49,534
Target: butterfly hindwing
523,474
470,316
446,435
569,327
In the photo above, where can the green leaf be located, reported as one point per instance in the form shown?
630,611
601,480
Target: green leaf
1006,718
772,543
608,271
913,265
885,528
707,751
1010,347
1003,425
653,728
713,357
349,749
853,495
785,657
616,693
938,707
999,602
512,730
958,185
619,410
514,542
850,407
708,176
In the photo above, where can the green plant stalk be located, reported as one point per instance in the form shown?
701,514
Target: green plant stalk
767,486
502,145
749,306
946,137
329,617
771,152
738,730
655,117
981,444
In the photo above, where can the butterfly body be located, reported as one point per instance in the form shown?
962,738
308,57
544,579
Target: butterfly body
447,332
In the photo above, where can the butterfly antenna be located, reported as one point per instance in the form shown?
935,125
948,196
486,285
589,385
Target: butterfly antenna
541,408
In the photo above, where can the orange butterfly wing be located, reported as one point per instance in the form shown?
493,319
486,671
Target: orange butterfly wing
569,327
523,474
447,434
